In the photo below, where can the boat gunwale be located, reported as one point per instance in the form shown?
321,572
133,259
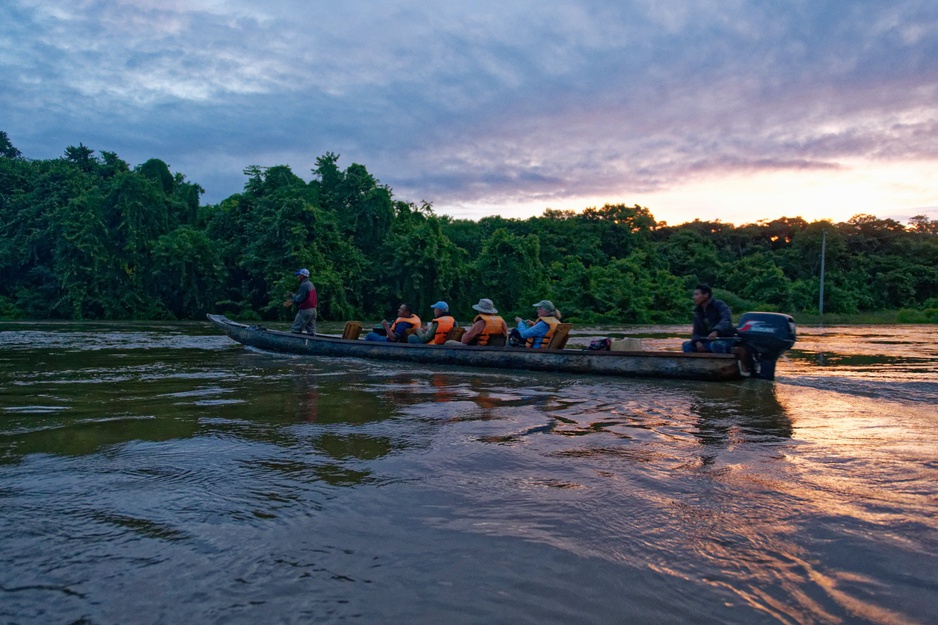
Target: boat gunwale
222,320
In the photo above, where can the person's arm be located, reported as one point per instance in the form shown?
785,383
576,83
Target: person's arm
473,332
700,328
725,325
427,335
537,331
302,292
399,331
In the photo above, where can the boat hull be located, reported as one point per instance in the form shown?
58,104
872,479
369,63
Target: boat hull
625,364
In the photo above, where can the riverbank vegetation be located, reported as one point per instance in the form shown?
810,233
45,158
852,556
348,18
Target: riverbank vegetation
87,236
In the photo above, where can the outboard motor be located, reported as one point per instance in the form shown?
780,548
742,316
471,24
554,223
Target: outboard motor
767,335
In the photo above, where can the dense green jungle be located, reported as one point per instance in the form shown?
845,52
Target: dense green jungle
87,236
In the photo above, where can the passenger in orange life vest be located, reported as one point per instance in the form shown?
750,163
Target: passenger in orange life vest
537,334
486,325
306,302
436,331
395,331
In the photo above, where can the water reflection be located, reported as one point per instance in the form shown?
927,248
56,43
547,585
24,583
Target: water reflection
326,398
694,482
241,486
898,354
750,411
82,437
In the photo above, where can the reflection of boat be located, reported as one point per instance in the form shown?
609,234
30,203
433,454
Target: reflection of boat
732,413
700,366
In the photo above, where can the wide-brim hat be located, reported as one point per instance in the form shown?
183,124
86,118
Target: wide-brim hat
546,304
485,306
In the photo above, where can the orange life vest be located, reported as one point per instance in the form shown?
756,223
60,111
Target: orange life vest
444,324
545,341
413,320
493,325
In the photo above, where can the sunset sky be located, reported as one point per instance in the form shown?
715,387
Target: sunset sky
731,110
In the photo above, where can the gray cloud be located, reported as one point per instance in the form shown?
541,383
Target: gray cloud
488,103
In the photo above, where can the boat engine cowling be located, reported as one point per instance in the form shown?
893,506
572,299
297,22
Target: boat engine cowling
768,336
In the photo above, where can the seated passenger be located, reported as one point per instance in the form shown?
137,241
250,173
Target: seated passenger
486,326
713,324
394,332
436,331
537,334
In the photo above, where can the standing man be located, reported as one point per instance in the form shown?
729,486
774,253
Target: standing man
713,324
306,301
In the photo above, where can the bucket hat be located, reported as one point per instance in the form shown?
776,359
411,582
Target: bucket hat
485,306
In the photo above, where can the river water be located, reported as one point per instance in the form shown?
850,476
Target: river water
161,473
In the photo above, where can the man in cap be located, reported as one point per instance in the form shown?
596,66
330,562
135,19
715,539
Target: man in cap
306,302
436,331
537,334
487,327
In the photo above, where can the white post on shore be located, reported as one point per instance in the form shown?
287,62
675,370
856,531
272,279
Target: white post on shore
820,302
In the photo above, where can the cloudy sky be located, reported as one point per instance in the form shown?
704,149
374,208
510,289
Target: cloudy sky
720,109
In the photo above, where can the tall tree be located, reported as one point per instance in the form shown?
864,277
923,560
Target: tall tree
509,271
6,147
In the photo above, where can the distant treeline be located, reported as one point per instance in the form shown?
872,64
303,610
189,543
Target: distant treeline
86,236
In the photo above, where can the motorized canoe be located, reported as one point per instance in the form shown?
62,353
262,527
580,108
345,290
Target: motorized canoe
660,364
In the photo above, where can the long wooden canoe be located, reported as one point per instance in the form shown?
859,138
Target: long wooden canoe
628,364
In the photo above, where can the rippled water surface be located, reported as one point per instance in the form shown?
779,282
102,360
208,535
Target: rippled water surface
165,474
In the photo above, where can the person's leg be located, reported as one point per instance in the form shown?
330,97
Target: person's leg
311,323
514,338
299,321
688,347
374,336
721,346
745,358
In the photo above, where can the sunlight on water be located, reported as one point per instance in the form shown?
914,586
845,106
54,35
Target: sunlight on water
169,475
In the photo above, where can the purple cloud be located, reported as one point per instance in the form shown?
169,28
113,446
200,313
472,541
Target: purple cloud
481,104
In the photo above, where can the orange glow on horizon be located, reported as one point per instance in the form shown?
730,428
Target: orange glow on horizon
896,190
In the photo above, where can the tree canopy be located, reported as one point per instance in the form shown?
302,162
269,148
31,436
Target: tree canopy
87,236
